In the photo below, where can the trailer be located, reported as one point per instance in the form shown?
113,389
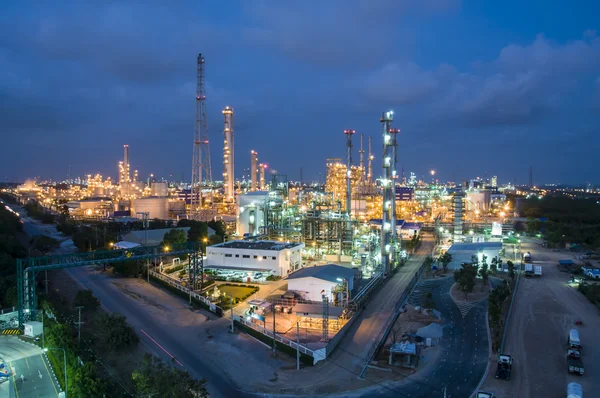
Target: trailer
573,339
537,270
528,270
574,390
575,365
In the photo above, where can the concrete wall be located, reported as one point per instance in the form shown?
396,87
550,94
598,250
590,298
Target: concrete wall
285,260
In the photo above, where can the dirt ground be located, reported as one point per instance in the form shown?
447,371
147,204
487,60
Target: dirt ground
545,309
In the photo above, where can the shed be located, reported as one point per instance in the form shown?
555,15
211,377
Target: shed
312,283
403,354
433,331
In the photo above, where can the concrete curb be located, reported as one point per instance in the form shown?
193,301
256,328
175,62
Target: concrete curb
45,355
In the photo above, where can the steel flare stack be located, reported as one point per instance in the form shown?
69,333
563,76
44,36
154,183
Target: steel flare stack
201,169
388,182
228,166
349,134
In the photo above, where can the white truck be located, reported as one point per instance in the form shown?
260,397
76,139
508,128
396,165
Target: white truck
528,270
574,390
573,340
537,270
527,257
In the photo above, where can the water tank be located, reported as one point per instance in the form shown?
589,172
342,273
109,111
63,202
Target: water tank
159,189
574,390
157,207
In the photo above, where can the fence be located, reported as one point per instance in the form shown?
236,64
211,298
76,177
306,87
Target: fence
317,355
390,322
198,297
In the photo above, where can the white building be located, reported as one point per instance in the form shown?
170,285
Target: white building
312,283
279,258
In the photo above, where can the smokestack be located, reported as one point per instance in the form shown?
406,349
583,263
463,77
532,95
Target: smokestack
228,155
370,170
253,170
126,164
349,134
362,159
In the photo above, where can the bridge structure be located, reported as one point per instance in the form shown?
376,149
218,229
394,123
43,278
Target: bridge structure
29,268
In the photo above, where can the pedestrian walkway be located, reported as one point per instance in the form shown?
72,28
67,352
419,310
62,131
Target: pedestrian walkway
422,288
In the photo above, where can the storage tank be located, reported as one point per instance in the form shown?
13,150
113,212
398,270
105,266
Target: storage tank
574,390
99,191
159,189
176,208
157,207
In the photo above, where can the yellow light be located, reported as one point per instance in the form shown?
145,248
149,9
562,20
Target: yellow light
166,248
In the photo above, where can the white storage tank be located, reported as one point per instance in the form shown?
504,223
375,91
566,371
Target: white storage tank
157,207
159,189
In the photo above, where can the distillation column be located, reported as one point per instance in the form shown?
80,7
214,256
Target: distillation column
228,169
388,219
253,170
349,134
361,153
370,169
262,167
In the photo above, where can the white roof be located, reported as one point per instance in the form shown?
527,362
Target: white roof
125,245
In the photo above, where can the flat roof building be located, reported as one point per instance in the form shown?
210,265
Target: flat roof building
279,258
312,283
462,252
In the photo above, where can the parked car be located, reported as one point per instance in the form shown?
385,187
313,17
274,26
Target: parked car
258,275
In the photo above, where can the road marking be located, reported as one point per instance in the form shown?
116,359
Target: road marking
14,380
24,356
47,370
161,347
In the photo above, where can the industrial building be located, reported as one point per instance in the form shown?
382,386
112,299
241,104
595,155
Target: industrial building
463,252
312,283
153,237
277,258
251,213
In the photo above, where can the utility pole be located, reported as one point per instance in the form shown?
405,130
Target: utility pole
274,346
231,303
79,323
43,343
297,345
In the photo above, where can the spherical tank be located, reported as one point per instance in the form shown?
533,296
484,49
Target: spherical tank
157,207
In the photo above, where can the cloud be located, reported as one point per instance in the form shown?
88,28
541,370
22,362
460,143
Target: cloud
353,33
523,85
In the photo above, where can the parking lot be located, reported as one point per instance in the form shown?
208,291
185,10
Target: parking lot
545,309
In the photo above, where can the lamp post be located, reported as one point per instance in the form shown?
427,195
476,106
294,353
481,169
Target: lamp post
65,369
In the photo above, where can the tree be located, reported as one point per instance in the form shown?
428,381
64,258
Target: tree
118,332
214,239
511,269
427,301
532,226
483,272
174,237
494,265
218,227
198,229
86,299
156,378
446,259
129,268
465,278
86,382
44,244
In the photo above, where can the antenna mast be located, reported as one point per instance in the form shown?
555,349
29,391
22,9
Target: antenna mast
201,170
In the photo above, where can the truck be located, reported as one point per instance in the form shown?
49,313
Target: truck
527,257
485,394
537,270
504,367
575,365
574,390
573,340
528,270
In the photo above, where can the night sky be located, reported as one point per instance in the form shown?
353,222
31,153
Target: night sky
477,86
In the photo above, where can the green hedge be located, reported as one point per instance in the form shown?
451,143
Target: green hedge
182,294
304,358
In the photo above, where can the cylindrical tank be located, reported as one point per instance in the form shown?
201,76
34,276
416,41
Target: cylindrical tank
159,189
157,207
574,390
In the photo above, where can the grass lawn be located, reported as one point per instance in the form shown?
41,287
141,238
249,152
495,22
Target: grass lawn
237,291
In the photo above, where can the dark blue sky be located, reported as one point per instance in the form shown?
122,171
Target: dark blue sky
477,86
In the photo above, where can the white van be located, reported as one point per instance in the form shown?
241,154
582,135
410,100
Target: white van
574,341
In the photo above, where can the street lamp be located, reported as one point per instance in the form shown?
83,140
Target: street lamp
65,360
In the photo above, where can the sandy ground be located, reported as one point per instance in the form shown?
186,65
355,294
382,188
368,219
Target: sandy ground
479,293
545,309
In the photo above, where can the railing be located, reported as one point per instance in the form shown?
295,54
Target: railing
317,355
212,306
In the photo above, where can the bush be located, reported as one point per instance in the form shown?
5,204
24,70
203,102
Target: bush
273,278
86,299
118,332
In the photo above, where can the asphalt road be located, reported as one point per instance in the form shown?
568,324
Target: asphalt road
162,342
26,360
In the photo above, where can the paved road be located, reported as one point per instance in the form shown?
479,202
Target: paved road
464,349
545,309
26,360
155,335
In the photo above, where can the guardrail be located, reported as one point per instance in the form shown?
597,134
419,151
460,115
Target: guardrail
391,320
512,301
317,355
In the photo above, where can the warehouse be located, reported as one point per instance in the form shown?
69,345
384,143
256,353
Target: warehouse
277,258
312,283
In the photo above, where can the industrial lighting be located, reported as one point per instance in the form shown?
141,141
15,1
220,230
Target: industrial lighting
166,248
